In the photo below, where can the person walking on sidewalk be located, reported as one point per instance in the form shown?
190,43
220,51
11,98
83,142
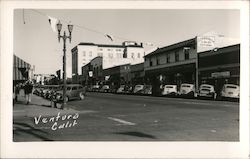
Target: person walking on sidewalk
28,87
16,91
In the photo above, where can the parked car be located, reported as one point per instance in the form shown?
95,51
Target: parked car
95,88
121,89
74,91
138,88
207,90
105,88
187,90
230,91
169,90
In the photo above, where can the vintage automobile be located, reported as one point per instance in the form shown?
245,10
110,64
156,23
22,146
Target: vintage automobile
187,90
207,90
170,90
74,91
230,91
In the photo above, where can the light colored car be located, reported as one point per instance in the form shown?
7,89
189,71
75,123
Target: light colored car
187,90
169,90
138,88
120,89
207,90
74,91
230,91
96,88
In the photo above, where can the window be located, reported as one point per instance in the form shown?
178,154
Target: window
74,88
109,49
101,49
168,58
176,56
138,55
90,54
83,53
186,52
118,50
150,62
157,61
132,55
110,55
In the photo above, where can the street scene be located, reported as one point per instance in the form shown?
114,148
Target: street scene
125,75
114,117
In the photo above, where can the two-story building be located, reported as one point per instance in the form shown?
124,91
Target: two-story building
173,64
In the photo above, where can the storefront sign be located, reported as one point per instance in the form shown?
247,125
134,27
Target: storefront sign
206,41
220,74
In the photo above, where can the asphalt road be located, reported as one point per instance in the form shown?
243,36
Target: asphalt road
113,117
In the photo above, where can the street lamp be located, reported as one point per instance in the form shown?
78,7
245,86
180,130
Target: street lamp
64,37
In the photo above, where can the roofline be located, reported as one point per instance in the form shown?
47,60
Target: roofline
235,46
171,47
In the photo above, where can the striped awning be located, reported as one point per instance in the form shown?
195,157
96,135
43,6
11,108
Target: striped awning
20,69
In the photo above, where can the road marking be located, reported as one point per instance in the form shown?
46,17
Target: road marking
121,121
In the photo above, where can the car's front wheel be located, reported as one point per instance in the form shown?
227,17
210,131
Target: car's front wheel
81,96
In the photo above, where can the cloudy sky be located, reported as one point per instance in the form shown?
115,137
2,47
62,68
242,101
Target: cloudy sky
36,43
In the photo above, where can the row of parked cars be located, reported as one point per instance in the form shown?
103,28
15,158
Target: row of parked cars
55,92
187,90
204,91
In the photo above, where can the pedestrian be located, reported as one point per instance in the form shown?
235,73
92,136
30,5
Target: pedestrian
17,90
28,87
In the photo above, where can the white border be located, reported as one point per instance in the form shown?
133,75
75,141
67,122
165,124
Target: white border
119,149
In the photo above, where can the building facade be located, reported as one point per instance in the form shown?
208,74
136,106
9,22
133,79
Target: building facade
174,64
220,66
113,55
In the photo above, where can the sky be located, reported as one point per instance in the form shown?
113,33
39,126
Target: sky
37,44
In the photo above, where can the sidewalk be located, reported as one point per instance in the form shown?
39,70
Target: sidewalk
38,106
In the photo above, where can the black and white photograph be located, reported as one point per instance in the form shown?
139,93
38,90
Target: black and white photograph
128,75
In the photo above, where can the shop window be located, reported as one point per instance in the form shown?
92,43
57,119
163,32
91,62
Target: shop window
176,56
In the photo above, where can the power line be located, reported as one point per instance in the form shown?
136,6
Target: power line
92,30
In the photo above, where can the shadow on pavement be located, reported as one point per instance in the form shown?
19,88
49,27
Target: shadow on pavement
26,128
137,134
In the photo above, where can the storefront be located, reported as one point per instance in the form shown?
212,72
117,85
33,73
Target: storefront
220,66
21,70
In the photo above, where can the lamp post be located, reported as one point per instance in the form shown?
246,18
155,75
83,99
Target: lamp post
64,37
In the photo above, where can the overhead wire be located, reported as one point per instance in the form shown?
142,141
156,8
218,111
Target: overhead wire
93,30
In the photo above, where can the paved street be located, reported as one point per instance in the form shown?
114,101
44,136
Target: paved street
114,117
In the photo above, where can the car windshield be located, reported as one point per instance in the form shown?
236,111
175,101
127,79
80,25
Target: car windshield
138,86
169,86
233,87
185,86
205,89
